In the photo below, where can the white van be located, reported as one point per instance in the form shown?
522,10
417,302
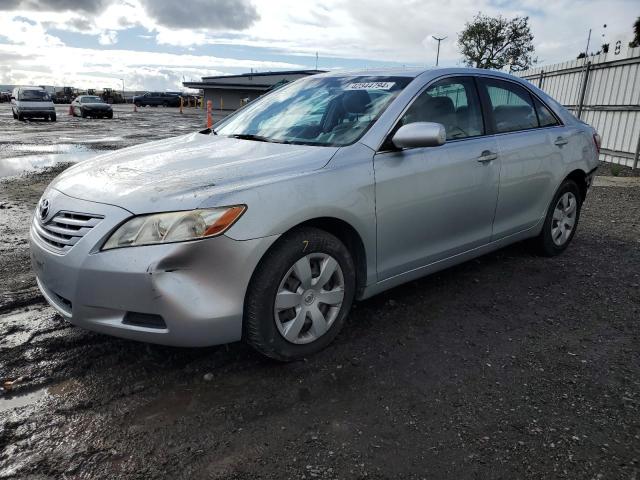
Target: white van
32,102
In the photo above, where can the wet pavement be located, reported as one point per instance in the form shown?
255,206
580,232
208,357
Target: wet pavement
36,144
508,366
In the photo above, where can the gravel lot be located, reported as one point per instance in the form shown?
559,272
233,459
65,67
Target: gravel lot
508,366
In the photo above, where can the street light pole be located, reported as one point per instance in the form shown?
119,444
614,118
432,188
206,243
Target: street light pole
438,54
123,99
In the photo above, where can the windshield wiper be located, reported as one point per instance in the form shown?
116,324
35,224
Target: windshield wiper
251,136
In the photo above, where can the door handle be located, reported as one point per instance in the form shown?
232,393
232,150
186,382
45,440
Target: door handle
487,156
561,141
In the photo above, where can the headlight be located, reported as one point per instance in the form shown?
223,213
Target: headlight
174,227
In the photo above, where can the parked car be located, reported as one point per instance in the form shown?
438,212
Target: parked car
157,98
32,102
91,106
333,188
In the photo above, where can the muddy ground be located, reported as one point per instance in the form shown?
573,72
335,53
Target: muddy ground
509,366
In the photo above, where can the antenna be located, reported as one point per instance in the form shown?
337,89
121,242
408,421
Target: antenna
438,54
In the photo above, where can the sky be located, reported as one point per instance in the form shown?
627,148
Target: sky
156,44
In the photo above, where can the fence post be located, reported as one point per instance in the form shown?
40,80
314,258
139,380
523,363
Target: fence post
583,90
637,155
540,79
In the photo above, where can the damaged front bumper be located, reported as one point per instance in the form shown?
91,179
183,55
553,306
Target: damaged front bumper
182,294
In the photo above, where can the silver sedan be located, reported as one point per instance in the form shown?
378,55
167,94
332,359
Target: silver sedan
333,188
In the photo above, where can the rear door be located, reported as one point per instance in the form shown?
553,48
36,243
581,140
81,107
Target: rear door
433,203
531,145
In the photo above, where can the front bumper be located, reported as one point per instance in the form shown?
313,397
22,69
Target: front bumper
195,288
36,113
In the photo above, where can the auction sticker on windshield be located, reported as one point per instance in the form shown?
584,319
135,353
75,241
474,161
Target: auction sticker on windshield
371,86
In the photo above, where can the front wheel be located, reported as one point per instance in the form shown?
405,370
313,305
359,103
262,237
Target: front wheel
300,295
561,221
52,117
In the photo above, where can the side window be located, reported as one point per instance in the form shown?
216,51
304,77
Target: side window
454,103
512,106
545,117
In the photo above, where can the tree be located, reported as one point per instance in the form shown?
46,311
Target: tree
636,34
495,42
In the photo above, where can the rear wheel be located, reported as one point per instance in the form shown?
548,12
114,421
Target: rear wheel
110,115
52,117
300,295
561,221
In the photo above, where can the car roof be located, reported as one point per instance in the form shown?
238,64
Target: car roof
415,72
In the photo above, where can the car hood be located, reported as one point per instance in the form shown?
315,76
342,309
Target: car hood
181,172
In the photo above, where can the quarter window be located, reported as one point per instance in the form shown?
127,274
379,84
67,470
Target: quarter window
545,117
454,103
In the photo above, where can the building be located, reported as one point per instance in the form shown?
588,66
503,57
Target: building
229,92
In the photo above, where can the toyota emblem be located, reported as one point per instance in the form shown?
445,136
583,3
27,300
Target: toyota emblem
44,208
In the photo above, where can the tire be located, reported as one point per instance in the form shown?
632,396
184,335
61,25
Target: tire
15,117
20,117
137,104
563,211
110,115
52,117
265,324
165,104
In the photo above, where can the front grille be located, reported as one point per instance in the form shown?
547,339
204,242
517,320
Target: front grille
65,229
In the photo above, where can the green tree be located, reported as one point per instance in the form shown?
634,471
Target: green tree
495,42
636,34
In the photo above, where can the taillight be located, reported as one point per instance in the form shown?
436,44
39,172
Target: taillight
598,141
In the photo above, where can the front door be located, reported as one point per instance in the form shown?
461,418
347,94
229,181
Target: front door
436,202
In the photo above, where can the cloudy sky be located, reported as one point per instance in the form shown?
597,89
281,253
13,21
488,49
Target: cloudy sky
154,44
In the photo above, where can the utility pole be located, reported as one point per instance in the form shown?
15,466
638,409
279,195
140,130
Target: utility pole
438,54
316,60
586,52
122,80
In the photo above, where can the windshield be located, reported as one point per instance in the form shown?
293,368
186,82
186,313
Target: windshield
329,111
90,100
34,96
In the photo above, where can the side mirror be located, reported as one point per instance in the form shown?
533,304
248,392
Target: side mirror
420,134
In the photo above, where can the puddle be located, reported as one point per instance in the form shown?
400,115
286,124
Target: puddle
15,400
52,148
48,156
10,401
